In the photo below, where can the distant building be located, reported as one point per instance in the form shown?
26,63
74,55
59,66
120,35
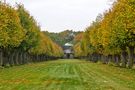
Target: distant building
68,51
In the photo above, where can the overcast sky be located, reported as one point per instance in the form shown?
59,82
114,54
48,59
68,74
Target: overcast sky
59,15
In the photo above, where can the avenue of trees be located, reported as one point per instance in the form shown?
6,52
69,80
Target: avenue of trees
21,40
111,37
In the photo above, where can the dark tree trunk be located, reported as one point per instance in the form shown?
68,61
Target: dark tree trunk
103,59
10,58
131,57
117,60
5,57
110,59
123,58
25,58
1,57
17,58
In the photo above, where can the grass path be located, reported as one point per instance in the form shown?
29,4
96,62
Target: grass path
66,75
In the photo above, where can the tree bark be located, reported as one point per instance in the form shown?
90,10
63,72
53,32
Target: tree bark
117,60
123,58
131,57
17,58
1,57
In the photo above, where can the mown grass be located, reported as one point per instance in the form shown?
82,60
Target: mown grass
66,75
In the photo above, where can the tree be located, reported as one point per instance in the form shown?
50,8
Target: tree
11,32
123,28
32,30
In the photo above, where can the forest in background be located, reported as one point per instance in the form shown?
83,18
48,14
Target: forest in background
67,36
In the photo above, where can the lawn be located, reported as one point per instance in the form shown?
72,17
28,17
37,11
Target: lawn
66,75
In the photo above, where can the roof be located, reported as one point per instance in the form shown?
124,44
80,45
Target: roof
68,44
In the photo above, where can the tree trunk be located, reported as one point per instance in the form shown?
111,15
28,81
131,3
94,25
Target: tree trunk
20,58
5,57
131,57
1,57
110,60
25,58
10,58
103,59
123,58
117,60
17,58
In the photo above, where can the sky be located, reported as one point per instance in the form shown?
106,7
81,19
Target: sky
60,15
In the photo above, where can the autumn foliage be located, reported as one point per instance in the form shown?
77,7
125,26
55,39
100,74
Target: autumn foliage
21,40
111,37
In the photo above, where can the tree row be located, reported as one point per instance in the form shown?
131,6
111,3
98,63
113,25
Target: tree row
21,40
111,37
